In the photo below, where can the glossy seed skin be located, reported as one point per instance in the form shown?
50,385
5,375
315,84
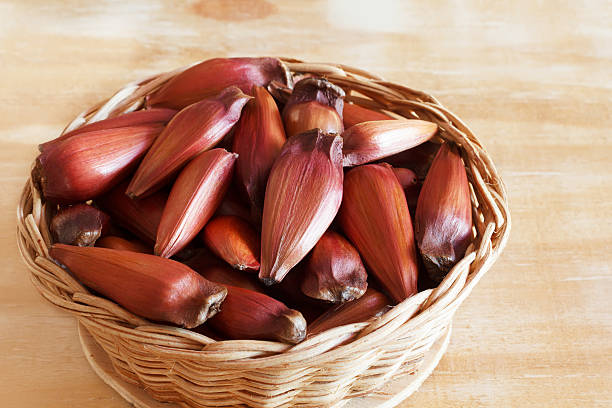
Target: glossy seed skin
370,141
147,285
375,218
334,271
354,114
258,140
194,198
85,166
303,194
141,217
212,76
195,129
443,218
233,240
79,224
137,118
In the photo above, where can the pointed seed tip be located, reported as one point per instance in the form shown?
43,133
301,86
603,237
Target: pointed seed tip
157,251
268,281
297,327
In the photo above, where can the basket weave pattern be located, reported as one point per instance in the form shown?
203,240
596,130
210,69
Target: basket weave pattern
193,370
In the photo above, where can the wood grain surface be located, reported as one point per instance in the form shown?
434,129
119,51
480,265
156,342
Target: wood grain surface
533,79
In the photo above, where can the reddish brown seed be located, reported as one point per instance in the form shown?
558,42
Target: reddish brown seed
233,240
149,286
311,115
354,114
79,224
303,195
375,218
216,270
142,117
194,198
251,315
406,177
210,77
443,219
372,303
192,131
315,103
370,141
141,217
258,140
122,244
409,182
334,271
80,168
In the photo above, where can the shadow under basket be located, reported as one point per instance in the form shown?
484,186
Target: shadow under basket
333,368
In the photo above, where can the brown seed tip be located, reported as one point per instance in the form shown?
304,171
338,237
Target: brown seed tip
269,281
314,103
211,308
79,224
294,327
318,90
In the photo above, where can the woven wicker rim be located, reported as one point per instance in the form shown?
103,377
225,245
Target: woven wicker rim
179,365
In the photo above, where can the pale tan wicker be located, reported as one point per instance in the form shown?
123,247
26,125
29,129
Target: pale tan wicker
193,370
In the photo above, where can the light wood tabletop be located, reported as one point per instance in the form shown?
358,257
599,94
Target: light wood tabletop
532,79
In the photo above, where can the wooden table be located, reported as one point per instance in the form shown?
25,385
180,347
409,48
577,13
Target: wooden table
531,78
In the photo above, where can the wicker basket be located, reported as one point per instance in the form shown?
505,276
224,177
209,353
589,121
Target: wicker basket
193,370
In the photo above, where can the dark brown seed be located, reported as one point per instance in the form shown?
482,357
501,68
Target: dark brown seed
79,224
